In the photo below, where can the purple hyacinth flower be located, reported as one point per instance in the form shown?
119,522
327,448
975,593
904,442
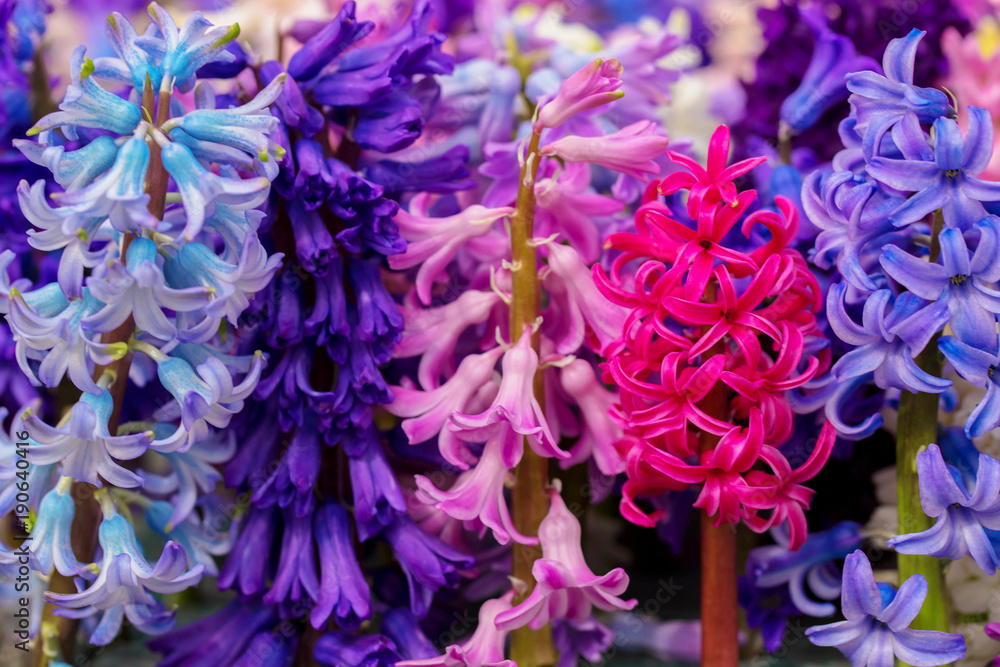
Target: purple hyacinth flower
341,648
978,367
876,631
378,499
296,578
882,101
314,182
379,321
328,43
961,280
893,332
587,639
823,85
964,508
942,177
774,566
249,565
427,562
768,609
402,627
217,639
343,591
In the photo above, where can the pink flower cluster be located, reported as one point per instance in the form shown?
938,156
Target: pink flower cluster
714,314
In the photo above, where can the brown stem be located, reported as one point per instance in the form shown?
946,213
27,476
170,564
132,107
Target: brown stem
528,648
87,519
719,606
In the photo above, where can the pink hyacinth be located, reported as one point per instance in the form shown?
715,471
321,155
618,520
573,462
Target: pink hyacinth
706,318
600,432
432,333
426,412
581,311
433,242
515,404
631,150
710,184
566,587
592,86
479,493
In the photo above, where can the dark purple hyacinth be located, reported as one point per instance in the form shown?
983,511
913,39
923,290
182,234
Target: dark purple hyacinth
790,42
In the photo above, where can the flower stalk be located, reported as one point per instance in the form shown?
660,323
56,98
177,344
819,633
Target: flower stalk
719,638
529,648
917,429
87,517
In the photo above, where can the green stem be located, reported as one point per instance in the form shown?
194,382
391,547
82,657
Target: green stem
918,414
528,648
87,518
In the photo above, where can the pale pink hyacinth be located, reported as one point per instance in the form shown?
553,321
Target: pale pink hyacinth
570,284
592,86
432,333
631,150
433,242
514,404
484,649
600,431
479,493
425,413
566,587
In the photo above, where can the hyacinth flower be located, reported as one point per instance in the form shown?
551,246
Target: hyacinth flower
671,291
823,87
121,293
566,587
122,588
781,583
964,508
876,630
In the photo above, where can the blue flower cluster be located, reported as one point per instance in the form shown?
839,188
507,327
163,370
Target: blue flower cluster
908,225
157,252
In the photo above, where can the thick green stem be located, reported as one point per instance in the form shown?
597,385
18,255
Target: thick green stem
528,648
918,414
87,518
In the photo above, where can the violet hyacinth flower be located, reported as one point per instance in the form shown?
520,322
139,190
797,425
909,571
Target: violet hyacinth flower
943,177
823,84
882,101
343,591
50,535
566,587
961,281
978,366
964,509
876,631
342,648
892,334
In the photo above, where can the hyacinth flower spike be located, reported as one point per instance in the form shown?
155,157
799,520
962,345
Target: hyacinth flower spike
876,632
